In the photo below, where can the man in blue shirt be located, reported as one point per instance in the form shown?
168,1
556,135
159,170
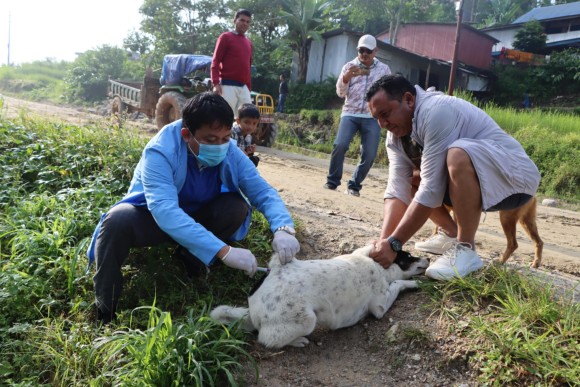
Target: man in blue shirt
194,187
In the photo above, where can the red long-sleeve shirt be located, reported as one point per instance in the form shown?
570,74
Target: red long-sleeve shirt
232,59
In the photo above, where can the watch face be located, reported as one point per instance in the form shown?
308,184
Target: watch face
396,245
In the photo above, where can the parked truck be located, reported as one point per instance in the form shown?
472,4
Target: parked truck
163,98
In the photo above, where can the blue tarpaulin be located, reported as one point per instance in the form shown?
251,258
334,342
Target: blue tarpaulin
176,66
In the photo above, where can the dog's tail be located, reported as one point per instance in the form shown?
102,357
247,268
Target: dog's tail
228,314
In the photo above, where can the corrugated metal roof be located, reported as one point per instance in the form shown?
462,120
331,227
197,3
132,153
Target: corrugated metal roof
551,12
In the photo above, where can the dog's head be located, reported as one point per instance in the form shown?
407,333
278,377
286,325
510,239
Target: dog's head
411,266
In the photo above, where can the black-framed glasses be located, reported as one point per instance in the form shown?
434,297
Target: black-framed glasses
362,50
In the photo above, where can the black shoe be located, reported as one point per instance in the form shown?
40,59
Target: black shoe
193,266
105,318
329,186
353,192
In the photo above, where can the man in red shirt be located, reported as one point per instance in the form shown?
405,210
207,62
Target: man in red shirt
232,58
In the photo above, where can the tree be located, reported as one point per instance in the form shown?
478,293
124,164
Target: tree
304,19
488,13
531,38
394,12
181,26
561,75
501,12
87,79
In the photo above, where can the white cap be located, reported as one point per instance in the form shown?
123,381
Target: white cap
367,41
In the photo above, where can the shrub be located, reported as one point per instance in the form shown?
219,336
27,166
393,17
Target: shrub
315,96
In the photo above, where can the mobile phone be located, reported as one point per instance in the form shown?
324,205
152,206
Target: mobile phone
364,71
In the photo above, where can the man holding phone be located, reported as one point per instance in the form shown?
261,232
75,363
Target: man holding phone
355,79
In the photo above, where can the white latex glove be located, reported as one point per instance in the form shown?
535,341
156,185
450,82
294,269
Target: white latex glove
285,245
241,259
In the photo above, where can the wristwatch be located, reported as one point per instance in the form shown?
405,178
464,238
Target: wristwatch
396,244
286,229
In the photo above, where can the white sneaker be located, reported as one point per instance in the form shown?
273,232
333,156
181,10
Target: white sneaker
436,244
458,261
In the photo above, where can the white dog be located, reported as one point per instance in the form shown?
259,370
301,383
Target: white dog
335,293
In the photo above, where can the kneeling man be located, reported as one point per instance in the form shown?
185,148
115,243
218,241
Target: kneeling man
464,159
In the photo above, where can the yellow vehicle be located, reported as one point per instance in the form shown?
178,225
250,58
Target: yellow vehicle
267,129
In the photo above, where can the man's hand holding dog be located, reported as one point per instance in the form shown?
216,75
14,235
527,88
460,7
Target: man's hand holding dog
382,253
240,259
286,245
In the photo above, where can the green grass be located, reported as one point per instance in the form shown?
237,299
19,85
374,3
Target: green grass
36,81
55,182
522,334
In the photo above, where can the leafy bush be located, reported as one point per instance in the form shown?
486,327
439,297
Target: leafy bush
315,96
88,77
559,76
531,38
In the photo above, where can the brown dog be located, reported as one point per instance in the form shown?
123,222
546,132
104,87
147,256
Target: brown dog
526,215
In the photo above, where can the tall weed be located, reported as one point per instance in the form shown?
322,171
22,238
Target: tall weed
197,352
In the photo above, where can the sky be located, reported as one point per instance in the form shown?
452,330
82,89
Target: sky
58,29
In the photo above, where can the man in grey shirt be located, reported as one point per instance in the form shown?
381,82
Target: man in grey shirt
460,157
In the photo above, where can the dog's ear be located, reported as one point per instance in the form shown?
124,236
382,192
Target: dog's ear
405,260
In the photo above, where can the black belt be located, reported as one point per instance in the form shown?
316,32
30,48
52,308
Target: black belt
228,82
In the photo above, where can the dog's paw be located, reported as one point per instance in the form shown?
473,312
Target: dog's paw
405,284
300,342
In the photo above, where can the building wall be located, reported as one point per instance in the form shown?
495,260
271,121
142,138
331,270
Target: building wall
563,36
505,37
474,49
431,40
329,55
558,30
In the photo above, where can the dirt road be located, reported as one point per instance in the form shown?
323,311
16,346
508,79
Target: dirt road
330,223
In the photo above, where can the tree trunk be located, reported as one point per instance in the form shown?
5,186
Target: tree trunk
397,23
303,60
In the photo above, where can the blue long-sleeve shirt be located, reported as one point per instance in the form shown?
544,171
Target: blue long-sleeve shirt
160,175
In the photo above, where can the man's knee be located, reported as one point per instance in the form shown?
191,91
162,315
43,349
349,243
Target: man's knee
458,162
117,219
235,204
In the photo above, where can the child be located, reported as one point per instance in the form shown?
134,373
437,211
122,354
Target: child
246,124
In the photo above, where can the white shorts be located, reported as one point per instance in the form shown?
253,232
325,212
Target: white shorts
236,96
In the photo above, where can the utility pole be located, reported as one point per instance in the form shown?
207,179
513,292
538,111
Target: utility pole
8,61
459,9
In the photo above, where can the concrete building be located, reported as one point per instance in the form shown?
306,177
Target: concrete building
561,24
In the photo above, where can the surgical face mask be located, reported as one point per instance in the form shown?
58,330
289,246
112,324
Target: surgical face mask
210,155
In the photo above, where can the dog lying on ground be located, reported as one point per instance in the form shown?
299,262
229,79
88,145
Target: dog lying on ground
333,293
526,216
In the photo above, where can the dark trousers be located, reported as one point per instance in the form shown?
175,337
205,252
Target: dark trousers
127,226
